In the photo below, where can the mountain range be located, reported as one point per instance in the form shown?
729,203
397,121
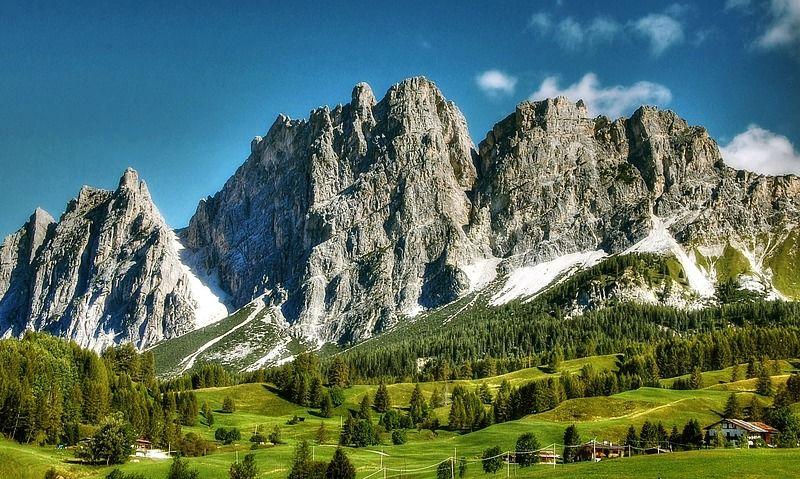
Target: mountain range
363,217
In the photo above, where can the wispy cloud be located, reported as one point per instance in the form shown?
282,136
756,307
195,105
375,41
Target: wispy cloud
761,151
496,82
742,5
784,27
661,30
613,101
573,34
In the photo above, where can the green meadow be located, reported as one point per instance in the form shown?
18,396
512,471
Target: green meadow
260,408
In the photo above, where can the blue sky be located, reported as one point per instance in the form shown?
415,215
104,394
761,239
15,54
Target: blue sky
178,89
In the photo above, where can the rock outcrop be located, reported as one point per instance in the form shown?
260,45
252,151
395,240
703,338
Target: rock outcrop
106,272
371,211
368,213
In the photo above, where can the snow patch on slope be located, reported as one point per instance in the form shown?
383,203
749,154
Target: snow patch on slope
529,280
481,272
187,362
206,291
661,241
280,354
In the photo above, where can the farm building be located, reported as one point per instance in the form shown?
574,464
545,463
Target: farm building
595,451
736,429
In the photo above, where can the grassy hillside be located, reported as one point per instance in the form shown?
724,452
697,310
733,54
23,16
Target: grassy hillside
258,406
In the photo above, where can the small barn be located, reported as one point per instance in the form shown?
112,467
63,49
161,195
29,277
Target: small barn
595,451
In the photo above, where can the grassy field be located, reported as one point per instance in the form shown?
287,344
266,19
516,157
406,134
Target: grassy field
605,418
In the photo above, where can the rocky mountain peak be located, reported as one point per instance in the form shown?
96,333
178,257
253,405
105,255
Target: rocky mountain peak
107,271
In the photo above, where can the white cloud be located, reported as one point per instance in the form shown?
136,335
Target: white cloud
540,22
662,31
494,82
784,27
613,101
761,151
742,5
572,34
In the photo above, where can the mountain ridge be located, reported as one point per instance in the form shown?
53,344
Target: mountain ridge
373,211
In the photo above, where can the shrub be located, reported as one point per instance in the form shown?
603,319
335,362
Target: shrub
227,436
492,460
398,437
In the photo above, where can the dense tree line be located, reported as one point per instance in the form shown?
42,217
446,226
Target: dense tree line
487,341
54,392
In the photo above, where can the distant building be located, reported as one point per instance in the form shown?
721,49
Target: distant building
595,451
549,458
736,429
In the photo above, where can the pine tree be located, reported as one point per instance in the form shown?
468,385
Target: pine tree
674,437
228,406
364,410
321,435
526,449
692,434
326,408
764,385
756,410
179,469
632,439
696,380
417,407
244,470
382,400
340,466
339,373
735,373
733,410
275,435
571,438
437,398
301,462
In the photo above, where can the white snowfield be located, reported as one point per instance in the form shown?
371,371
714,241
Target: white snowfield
529,280
207,294
661,241
481,273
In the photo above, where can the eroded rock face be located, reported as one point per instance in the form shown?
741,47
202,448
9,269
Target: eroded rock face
350,217
368,212
106,272
364,214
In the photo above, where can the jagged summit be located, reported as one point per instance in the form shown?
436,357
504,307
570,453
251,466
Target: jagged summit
358,217
106,272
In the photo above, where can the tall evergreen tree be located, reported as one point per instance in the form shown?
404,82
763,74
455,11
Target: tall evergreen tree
382,400
571,439
340,466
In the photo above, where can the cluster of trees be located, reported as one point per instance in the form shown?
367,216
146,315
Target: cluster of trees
54,392
519,335
304,467
180,469
655,435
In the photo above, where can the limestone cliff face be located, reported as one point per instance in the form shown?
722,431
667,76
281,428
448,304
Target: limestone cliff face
106,272
366,213
360,216
348,218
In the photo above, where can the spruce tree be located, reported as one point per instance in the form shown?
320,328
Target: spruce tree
382,400
244,470
733,410
326,408
340,466
571,439
764,385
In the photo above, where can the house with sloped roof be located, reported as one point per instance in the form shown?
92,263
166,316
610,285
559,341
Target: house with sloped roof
738,429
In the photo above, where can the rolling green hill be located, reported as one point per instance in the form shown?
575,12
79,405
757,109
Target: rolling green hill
259,407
